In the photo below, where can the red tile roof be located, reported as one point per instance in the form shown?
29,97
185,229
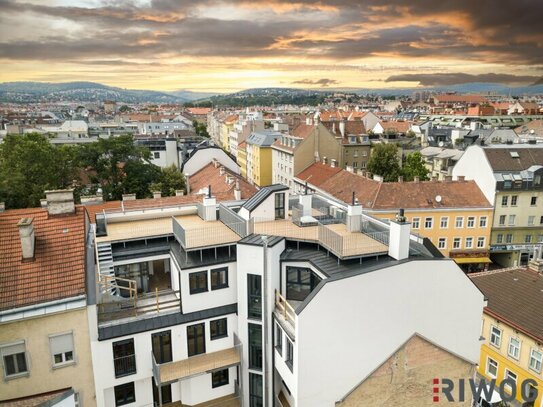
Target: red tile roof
58,268
302,130
197,111
317,173
209,175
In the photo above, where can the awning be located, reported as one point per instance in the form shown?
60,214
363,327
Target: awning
466,260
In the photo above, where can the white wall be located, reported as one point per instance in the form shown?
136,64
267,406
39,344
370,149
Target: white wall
355,324
266,209
204,156
475,166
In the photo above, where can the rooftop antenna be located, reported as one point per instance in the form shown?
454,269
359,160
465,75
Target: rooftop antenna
209,191
354,199
305,189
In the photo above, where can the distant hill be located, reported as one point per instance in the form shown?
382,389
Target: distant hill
25,92
190,95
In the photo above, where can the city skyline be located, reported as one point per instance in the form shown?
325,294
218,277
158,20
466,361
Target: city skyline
221,46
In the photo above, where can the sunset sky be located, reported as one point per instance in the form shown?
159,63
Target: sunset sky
226,46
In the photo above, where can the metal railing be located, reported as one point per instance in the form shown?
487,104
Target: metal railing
112,282
285,309
178,232
124,365
381,237
331,240
233,221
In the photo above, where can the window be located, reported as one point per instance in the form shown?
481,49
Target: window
156,154
533,201
528,239
459,223
125,394
480,242
457,242
471,222
499,238
512,220
196,339
278,339
198,282
218,328
166,393
162,346
531,220
482,221
254,296
502,220
300,282
495,336
255,390
219,378
62,349
255,346
509,238
14,358
444,223
505,200
290,355
514,348
469,242
219,278
541,220
511,380
491,367
124,358
514,200
428,222
442,243
536,359
416,223
280,206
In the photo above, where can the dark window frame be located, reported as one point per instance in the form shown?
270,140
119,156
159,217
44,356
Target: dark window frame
279,205
278,339
222,324
127,388
162,346
198,349
220,378
199,289
124,359
255,349
256,398
219,271
254,299
289,361
304,288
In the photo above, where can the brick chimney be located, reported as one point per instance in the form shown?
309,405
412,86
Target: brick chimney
26,232
60,202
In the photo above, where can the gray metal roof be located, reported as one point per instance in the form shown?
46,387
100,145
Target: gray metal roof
261,195
263,138
256,240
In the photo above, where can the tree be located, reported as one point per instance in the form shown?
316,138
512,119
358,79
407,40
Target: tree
138,178
200,129
30,165
171,180
384,161
414,167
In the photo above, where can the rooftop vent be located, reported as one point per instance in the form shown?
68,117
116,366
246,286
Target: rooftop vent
514,154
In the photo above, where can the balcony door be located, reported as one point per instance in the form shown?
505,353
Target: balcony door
162,346
196,339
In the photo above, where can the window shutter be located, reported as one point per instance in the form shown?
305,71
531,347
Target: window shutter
62,344
13,349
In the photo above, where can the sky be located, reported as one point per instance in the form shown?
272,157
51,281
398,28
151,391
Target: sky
226,46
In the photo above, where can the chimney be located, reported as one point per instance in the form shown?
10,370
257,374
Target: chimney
305,200
157,194
448,178
342,128
400,178
378,178
129,197
354,216
416,179
332,163
349,168
210,206
369,175
237,191
179,192
60,202
187,183
215,162
2,207
43,203
536,264
26,232
434,179
92,199
324,160
399,236
461,178
221,170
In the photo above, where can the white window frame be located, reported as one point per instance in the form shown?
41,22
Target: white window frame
509,346
538,360
431,219
3,353
504,217
440,241
531,220
455,240
488,360
470,219
512,219
444,220
505,200
415,223
499,336
483,221
459,220
469,242
479,240
506,375
65,361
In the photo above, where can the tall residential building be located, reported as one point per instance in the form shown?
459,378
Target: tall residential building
252,303
513,329
259,157
511,179
455,216
46,255
247,123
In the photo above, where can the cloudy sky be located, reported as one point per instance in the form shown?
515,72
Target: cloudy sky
225,46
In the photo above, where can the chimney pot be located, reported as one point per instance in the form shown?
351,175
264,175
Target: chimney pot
26,232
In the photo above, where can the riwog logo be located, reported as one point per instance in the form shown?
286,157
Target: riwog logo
457,392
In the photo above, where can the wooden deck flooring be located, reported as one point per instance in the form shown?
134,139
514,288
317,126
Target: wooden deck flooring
201,233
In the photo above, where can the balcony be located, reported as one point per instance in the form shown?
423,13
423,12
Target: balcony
285,313
124,365
195,365
193,233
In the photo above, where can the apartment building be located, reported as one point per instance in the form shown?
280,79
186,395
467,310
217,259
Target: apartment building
355,143
224,303
164,127
455,216
45,254
242,159
440,161
512,330
296,150
259,157
510,177
247,123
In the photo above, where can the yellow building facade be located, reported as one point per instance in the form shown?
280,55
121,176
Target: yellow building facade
259,165
509,353
242,159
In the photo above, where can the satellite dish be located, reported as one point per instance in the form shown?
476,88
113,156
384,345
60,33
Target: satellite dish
438,198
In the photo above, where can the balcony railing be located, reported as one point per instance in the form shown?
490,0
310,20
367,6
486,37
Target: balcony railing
233,220
125,365
285,309
204,234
